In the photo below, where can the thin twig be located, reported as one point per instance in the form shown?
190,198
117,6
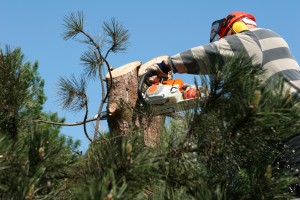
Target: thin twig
65,124
103,98
85,117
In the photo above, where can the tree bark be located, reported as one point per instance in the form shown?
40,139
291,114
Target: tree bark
151,125
124,113
122,97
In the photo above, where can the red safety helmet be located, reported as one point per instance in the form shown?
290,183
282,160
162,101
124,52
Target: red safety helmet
221,27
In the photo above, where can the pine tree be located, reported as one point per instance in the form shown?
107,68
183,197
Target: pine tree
72,91
34,158
233,147
227,149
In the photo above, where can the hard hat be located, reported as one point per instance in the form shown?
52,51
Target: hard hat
219,28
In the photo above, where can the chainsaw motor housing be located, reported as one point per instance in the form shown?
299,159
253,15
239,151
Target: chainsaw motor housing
168,91
169,96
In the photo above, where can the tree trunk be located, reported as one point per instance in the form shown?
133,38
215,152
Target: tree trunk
124,113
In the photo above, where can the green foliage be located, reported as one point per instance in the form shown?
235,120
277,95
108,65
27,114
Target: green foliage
73,24
114,38
72,93
118,168
35,165
117,34
22,91
236,137
34,158
228,149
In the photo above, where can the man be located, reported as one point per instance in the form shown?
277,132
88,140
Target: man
237,33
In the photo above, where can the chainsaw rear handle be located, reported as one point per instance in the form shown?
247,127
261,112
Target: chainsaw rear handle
142,82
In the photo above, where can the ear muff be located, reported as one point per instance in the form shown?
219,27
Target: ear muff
238,27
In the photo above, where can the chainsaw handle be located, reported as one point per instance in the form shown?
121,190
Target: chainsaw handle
141,83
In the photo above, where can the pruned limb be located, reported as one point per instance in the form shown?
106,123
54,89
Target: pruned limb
122,97
123,105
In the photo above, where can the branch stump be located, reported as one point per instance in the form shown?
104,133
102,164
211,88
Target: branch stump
124,114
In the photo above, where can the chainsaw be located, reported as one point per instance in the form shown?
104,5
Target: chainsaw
169,96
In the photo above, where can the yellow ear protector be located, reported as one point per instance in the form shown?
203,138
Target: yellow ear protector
238,27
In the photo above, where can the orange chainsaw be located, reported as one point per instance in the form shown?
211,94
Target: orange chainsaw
169,96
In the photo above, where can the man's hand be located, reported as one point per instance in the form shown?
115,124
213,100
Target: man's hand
154,79
160,69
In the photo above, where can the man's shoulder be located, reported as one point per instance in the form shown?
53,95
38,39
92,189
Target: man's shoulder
260,29
263,32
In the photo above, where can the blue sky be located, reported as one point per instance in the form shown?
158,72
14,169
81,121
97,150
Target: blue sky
156,27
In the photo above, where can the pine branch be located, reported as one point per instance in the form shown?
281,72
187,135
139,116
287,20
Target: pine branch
93,59
73,24
72,93
117,34
92,62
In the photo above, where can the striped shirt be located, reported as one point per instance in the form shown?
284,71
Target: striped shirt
265,48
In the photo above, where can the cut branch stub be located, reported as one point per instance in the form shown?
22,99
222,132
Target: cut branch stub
143,68
150,124
122,97
123,106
